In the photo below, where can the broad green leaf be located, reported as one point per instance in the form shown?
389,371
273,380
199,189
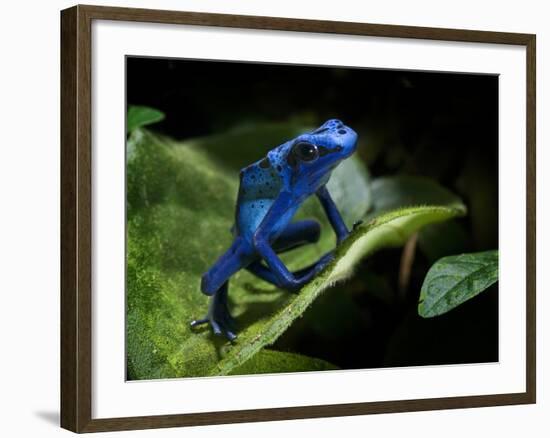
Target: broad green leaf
437,240
349,186
181,203
271,361
390,193
455,279
139,116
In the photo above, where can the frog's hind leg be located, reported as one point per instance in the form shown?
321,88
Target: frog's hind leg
215,283
234,259
295,235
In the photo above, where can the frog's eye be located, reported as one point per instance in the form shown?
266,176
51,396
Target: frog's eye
305,151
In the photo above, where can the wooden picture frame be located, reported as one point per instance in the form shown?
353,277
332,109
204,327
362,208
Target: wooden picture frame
76,217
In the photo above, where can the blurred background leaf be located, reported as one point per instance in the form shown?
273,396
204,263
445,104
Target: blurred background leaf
139,116
391,192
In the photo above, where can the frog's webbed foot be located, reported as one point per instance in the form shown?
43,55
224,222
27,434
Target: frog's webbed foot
218,316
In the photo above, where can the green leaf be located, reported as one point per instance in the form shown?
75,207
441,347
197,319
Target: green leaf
181,202
270,361
349,186
139,116
399,191
455,279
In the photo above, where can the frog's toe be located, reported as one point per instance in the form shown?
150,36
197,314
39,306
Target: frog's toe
215,328
218,316
324,261
328,257
197,322
225,327
230,335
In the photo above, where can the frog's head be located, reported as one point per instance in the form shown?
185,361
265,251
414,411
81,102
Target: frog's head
313,155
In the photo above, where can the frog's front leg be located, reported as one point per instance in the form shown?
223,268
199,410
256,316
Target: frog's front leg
276,272
218,315
333,214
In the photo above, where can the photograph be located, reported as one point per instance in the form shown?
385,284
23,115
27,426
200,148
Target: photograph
288,218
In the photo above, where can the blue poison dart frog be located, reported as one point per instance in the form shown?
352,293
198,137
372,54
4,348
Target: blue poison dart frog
270,192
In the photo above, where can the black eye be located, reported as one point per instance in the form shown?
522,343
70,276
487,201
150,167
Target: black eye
305,151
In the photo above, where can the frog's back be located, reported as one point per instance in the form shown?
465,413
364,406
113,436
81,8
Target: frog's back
260,184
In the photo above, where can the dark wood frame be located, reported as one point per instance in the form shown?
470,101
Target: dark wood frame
76,238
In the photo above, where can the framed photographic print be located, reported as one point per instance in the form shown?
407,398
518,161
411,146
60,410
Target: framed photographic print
268,218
